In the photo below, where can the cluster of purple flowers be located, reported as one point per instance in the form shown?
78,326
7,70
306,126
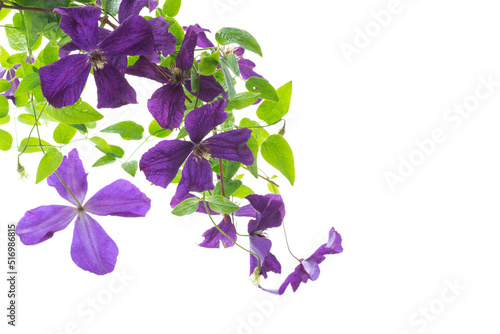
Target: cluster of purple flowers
105,53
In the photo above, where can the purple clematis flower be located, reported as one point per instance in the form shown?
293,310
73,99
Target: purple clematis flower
269,212
92,249
308,269
167,104
203,41
63,81
161,163
213,237
10,75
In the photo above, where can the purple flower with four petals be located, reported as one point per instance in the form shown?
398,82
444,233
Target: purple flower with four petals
92,249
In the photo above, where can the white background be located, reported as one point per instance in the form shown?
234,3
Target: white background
348,124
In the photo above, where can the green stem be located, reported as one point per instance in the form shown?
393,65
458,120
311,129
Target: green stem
287,245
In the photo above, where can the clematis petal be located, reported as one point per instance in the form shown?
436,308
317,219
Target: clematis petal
167,105
201,121
271,263
246,211
113,90
80,23
14,83
203,41
92,249
67,48
41,223
231,145
62,82
213,237
164,41
132,38
74,176
260,246
120,198
145,69
270,212
246,69
210,88
161,163
196,176
134,7
185,57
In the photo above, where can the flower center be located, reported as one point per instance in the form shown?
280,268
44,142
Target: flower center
201,152
97,59
177,76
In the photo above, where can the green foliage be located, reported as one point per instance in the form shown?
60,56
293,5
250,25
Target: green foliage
111,6
208,64
130,167
242,100
4,106
128,130
32,145
4,85
79,113
186,207
232,63
63,133
220,204
257,130
228,78
5,120
262,86
241,37
104,160
243,192
253,144
171,7
276,151
156,130
49,164
30,81
271,112
27,119
5,140
230,186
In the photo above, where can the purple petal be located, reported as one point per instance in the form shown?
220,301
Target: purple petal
196,176
132,38
14,83
201,207
294,279
210,88
333,246
74,176
145,69
67,48
213,235
201,121
231,145
41,223
185,56
167,105
203,41
113,90
92,248
80,23
120,198
246,69
260,246
270,212
134,7
62,82
161,163
246,211
164,40
239,51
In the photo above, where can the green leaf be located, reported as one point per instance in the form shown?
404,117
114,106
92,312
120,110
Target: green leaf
229,168
130,167
101,144
17,58
262,86
230,186
63,133
115,152
4,55
5,120
182,133
243,192
49,164
272,188
241,37
208,65
5,140
186,207
242,100
110,6
105,160
78,113
50,54
276,151
16,38
4,106
176,30
253,144
232,63
228,78
4,85
195,81
156,130
32,145
171,7
128,130
220,204
27,119
257,130
80,127
271,112
3,13
30,81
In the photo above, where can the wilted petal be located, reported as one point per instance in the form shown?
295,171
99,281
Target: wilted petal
231,145
80,23
213,236
196,176
246,69
201,121
161,163
143,68
113,90
167,105
203,41
92,249
120,198
41,223
132,38
74,176
185,56
210,88
164,40
62,82
270,212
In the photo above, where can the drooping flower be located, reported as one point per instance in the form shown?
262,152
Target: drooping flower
213,237
203,41
10,75
92,249
308,269
269,212
167,104
62,82
164,41
161,163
